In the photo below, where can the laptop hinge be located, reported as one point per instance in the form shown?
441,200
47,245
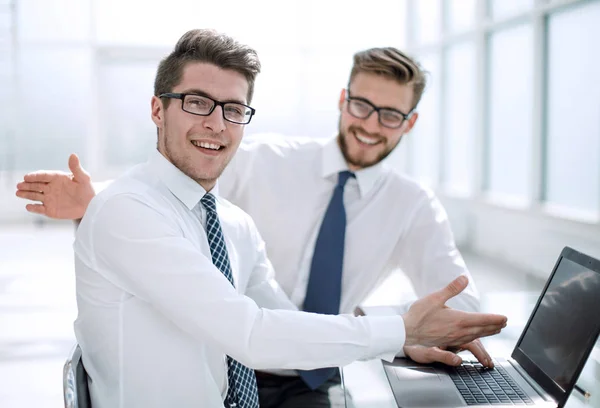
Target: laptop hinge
530,380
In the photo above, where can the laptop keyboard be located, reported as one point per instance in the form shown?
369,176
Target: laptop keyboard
483,386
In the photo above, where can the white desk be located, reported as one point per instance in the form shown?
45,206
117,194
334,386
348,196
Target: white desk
368,385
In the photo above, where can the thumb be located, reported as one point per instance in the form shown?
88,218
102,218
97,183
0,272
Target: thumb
454,288
75,166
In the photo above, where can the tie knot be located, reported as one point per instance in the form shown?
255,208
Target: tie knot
343,176
208,201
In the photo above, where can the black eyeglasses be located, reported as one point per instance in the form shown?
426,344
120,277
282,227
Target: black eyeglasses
233,112
362,108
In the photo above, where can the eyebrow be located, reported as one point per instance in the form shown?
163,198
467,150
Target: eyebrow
200,92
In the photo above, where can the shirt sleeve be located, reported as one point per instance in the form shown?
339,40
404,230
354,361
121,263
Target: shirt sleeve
427,254
144,253
262,286
99,186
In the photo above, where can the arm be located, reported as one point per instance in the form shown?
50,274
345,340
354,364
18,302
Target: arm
62,195
262,286
137,249
429,257
427,254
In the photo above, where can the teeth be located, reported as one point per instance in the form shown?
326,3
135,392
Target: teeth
365,140
206,145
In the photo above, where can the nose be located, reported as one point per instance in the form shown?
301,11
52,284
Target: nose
215,121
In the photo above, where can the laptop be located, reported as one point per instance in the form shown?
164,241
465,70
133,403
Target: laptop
545,363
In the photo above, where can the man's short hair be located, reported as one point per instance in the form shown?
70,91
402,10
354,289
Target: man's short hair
210,46
391,63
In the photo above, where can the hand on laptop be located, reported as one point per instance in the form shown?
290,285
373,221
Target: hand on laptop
426,355
429,322
62,195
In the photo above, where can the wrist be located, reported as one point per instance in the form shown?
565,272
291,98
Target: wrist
409,330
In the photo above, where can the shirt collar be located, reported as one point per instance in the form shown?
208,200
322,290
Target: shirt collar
333,162
188,191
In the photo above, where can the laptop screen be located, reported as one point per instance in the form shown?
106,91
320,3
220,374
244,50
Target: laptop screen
564,326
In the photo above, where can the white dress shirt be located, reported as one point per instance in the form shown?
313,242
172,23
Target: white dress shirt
156,318
393,222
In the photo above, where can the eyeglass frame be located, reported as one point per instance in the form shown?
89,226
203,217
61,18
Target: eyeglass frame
405,116
181,96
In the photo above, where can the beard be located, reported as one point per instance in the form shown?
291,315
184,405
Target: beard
357,160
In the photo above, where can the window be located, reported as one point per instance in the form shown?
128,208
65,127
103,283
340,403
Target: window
459,118
460,15
425,137
510,112
507,8
65,21
126,131
427,21
55,101
573,109
350,24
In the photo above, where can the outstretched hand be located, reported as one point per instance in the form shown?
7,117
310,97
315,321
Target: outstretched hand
62,195
430,323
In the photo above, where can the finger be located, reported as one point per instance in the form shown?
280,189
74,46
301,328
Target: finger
482,319
36,208
426,355
476,348
30,195
41,176
75,166
453,288
473,333
36,187
436,354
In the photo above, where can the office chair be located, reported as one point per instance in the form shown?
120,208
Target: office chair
75,386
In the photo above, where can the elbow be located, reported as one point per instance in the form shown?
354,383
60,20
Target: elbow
253,358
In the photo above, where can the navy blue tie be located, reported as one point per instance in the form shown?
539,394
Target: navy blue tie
324,288
242,391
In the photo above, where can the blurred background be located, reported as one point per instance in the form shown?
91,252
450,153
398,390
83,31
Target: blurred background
508,133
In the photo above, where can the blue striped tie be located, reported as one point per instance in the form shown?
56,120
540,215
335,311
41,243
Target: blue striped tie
324,288
242,391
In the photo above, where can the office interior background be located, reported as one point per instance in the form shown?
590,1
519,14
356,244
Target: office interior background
508,133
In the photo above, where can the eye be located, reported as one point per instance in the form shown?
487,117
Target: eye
197,102
360,105
391,116
235,110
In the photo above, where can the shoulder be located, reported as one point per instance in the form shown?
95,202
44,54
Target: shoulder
276,144
133,191
410,188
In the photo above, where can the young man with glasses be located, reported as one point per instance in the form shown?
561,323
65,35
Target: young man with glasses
335,218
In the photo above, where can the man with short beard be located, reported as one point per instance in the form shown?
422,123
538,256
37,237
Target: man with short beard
290,186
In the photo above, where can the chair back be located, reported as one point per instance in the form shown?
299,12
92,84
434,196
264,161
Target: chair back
75,381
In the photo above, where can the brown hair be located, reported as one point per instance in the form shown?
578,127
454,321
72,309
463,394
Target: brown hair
206,46
391,63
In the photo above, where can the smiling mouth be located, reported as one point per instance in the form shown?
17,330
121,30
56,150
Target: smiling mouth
213,147
366,140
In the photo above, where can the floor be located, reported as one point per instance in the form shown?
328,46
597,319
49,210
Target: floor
37,309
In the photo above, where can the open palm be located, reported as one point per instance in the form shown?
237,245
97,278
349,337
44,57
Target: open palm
62,195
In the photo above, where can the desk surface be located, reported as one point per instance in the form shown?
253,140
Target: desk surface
368,385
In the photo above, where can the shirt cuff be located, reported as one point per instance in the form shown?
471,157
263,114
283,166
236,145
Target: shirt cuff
387,336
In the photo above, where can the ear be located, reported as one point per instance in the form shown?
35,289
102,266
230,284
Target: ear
342,99
411,122
157,111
